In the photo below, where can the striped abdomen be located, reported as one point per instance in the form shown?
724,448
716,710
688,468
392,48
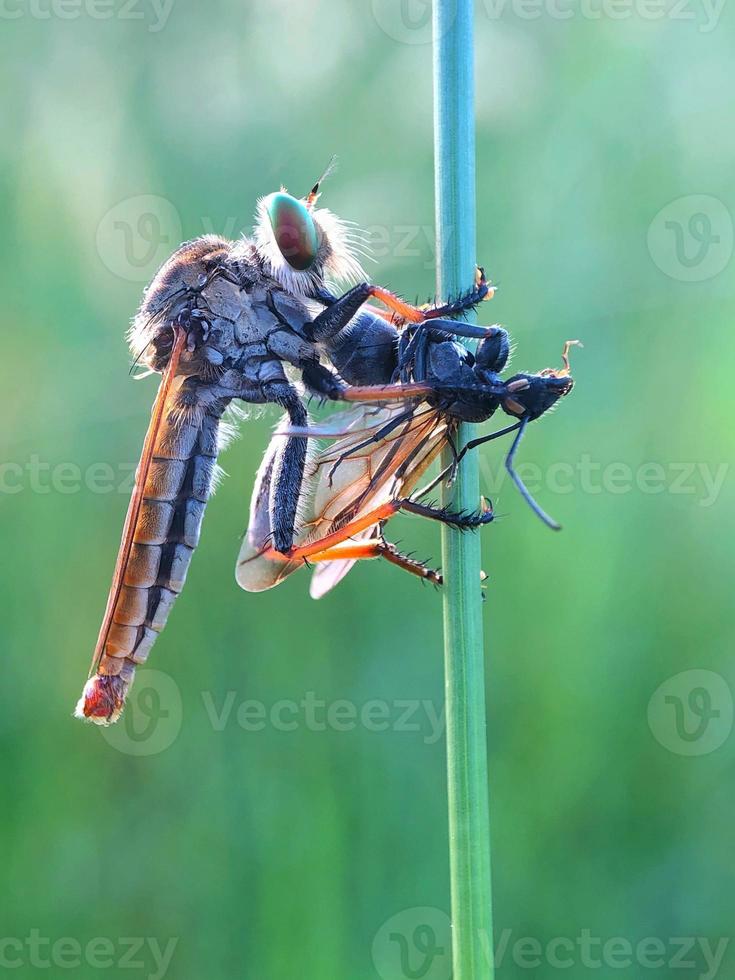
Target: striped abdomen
165,530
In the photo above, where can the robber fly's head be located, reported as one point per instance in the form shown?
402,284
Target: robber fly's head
301,245
530,395
171,297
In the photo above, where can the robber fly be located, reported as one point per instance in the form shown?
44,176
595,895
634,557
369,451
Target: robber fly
221,321
371,471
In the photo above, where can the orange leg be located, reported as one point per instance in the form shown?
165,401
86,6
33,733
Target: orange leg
362,523
407,313
384,393
378,549
375,517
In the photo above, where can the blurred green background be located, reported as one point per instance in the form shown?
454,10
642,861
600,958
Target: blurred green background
252,809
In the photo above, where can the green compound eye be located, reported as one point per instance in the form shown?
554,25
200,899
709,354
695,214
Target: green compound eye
294,229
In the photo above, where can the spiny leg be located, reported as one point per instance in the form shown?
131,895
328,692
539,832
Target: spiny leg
362,523
338,314
463,303
482,290
376,516
460,520
379,549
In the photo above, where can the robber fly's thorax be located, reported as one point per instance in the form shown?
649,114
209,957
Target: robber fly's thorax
236,315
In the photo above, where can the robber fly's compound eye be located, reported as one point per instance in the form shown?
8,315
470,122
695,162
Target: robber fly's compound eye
294,230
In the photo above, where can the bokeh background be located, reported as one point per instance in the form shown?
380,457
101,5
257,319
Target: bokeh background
256,809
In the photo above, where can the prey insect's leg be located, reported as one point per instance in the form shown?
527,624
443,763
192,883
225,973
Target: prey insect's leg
549,521
447,328
474,443
378,549
288,467
382,433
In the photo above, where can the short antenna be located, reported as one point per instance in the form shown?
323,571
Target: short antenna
314,192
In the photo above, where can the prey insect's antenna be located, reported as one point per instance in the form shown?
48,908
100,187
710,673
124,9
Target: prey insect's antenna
314,192
549,521
567,369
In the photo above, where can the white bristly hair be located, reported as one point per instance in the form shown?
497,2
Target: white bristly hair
336,260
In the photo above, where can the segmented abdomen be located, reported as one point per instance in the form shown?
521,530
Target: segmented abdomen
179,482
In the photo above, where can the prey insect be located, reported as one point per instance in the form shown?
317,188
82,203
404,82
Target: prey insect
377,459
221,322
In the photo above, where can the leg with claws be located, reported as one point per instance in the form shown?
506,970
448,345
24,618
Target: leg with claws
376,516
338,314
351,551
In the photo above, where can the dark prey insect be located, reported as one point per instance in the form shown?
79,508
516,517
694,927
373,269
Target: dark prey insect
377,459
222,321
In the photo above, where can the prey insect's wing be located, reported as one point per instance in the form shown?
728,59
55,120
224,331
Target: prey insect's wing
375,456
400,445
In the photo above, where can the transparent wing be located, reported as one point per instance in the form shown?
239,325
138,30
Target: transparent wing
375,456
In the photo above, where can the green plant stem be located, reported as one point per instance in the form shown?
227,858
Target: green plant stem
469,830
